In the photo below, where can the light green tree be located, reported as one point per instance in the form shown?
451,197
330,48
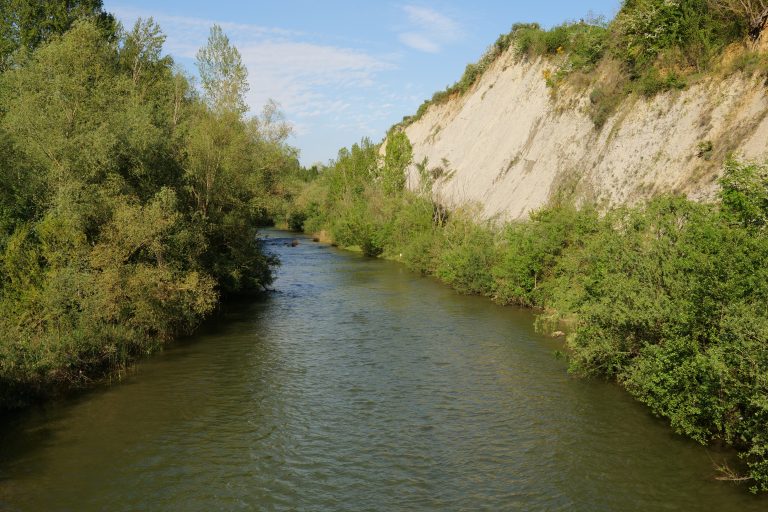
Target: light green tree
142,47
222,74
399,155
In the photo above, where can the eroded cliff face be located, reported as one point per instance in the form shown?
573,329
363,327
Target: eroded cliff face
511,146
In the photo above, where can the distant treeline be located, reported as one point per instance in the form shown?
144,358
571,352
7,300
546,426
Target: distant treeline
128,201
670,299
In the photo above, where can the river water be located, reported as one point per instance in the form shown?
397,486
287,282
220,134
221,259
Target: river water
356,385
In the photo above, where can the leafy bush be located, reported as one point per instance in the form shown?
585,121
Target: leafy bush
415,238
652,82
531,249
647,29
467,255
745,193
296,220
528,38
354,228
141,210
666,298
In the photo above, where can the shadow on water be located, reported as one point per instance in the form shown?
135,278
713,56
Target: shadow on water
38,427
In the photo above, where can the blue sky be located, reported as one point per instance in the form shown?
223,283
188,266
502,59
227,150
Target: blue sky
343,69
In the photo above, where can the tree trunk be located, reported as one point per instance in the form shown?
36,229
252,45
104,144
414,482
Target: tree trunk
758,24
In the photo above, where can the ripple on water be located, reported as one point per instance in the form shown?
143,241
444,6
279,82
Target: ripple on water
356,386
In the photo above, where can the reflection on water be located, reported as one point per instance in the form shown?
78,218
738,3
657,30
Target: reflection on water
356,386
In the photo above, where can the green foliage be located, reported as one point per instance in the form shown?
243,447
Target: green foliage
142,49
652,83
666,298
531,249
353,169
668,302
222,74
415,237
661,43
398,156
744,193
296,220
127,206
648,29
528,38
62,101
467,254
26,24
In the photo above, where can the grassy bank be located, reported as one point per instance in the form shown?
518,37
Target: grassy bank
668,299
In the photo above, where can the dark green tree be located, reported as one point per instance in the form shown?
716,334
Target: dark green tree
29,23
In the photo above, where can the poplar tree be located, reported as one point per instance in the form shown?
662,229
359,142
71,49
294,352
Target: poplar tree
222,74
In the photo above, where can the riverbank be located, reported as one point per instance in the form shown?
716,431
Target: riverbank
667,299
128,202
356,385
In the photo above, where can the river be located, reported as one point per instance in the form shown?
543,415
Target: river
356,385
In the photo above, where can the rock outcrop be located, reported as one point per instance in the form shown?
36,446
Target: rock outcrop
512,146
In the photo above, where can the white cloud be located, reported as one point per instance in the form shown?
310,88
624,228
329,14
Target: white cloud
428,30
419,42
307,79
431,19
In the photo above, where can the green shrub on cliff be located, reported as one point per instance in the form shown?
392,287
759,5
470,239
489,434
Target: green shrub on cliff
659,45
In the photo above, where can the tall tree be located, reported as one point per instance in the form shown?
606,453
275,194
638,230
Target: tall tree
142,48
62,106
222,74
399,155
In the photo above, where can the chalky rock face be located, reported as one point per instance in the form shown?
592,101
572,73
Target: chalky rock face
512,145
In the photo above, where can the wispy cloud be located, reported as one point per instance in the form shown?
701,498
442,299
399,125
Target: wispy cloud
428,30
307,79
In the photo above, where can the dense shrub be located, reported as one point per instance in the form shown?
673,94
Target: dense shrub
531,249
669,298
467,255
745,193
415,237
648,29
128,204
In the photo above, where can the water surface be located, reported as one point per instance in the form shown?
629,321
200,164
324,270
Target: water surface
356,385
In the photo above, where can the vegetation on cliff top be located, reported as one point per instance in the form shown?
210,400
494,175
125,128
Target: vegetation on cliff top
128,207
650,46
